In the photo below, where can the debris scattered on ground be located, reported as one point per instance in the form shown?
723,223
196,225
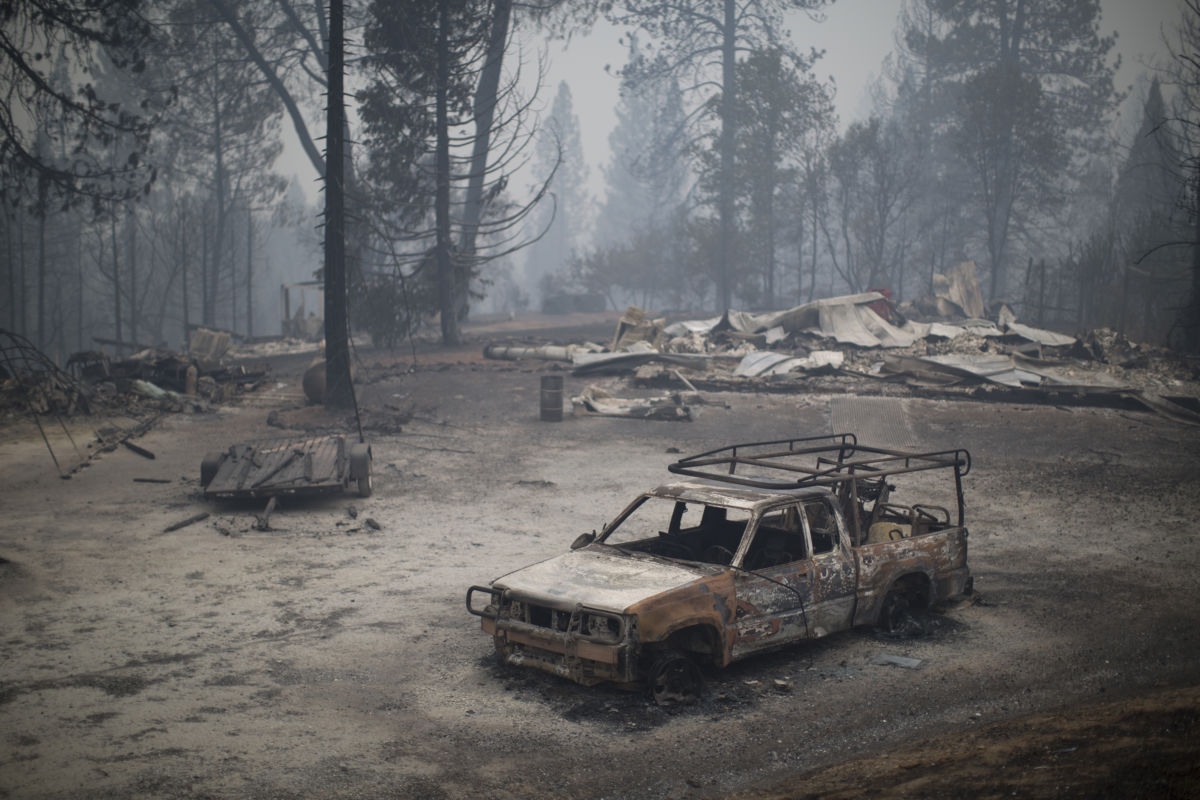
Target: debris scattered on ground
263,522
192,520
141,451
597,401
890,660
31,382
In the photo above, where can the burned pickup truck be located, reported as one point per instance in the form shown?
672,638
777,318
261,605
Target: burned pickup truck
763,545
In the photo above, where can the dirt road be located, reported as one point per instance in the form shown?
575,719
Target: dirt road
325,658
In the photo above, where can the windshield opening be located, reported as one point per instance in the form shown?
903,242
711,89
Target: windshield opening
680,530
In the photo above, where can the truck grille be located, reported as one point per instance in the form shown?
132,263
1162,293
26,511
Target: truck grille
599,626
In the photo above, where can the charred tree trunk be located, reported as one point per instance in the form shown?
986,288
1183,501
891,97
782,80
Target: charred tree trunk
338,391
79,290
183,266
131,224
725,199
445,261
214,275
812,275
13,300
41,290
21,277
249,273
116,276
205,266
1190,317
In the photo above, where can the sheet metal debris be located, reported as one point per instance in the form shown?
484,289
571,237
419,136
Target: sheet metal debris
596,401
767,363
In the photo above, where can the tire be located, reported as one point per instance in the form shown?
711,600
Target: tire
675,679
899,619
209,467
360,468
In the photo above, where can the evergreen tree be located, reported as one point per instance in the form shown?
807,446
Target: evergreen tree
647,174
1024,89
426,66
698,42
1148,216
780,103
562,223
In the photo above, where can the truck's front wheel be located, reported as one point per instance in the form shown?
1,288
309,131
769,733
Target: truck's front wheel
675,678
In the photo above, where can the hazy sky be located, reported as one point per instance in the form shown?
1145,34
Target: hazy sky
855,34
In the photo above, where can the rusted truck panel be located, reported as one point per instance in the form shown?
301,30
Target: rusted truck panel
805,541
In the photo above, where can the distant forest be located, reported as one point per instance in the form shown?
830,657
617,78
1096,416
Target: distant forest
143,193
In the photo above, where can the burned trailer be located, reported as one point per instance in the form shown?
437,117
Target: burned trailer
273,467
762,545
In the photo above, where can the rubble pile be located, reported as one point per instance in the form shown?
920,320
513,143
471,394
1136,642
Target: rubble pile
154,379
858,342
29,381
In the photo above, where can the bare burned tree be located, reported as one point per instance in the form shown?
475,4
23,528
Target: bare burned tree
35,35
1185,74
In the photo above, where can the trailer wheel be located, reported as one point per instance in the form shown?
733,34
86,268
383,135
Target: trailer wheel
360,468
675,679
209,467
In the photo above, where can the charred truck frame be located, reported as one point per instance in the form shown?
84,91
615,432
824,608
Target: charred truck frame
763,545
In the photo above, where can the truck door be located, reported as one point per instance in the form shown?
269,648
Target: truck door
774,587
834,583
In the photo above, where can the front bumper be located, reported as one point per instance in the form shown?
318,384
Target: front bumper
586,645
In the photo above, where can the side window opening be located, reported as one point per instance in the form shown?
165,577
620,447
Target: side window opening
821,526
778,540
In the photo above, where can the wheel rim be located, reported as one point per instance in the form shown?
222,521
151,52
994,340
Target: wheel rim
676,680
898,619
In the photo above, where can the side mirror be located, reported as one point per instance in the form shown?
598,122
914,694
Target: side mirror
583,540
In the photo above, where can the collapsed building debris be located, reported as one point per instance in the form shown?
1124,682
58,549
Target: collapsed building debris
29,381
845,344
143,385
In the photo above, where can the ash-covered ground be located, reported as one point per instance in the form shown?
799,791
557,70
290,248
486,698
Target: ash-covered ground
326,658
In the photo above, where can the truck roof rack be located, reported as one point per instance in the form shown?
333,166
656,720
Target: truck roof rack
813,461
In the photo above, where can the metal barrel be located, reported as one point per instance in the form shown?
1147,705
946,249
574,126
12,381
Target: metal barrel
551,398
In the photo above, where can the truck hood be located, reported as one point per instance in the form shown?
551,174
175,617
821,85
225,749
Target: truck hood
599,577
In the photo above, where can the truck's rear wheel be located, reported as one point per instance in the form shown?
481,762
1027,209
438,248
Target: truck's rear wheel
675,679
900,618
